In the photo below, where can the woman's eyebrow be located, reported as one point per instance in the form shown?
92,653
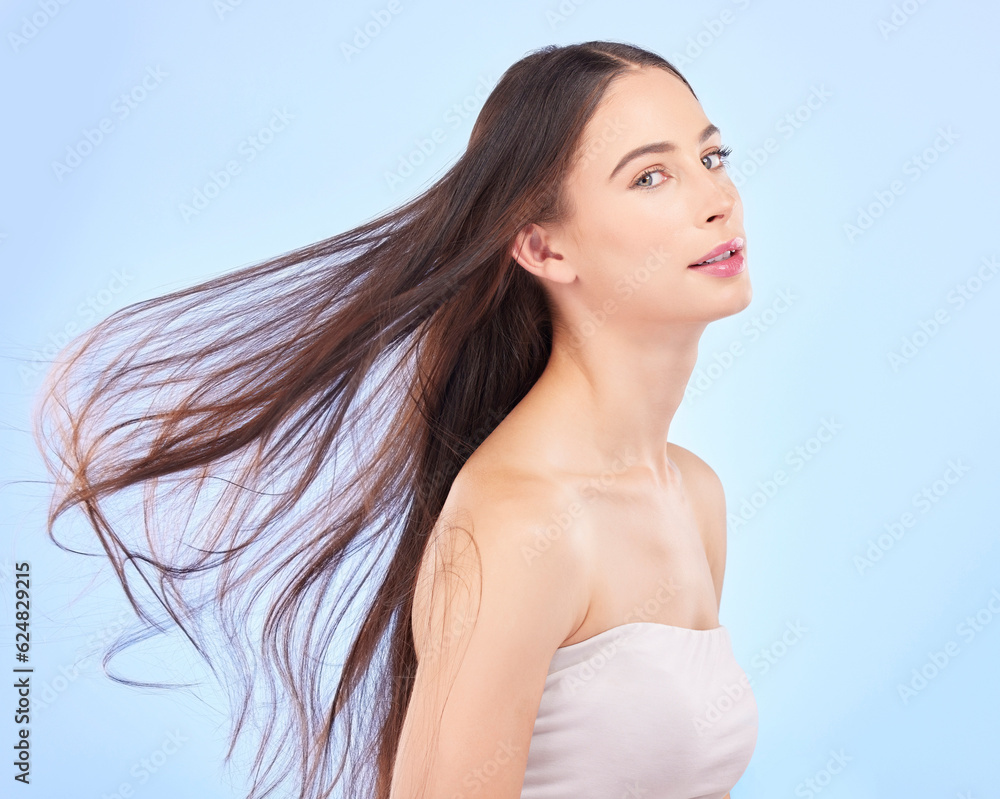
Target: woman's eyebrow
659,147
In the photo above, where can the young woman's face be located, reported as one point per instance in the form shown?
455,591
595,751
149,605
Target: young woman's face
637,225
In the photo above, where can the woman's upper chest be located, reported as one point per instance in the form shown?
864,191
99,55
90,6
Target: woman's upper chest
648,561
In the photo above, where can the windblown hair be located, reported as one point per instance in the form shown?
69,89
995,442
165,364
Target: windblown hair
330,395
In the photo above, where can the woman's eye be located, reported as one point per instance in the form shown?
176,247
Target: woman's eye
722,154
642,182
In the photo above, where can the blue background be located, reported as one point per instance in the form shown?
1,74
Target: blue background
809,551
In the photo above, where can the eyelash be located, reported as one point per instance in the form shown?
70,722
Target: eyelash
722,152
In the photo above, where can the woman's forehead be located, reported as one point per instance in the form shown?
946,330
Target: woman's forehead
642,103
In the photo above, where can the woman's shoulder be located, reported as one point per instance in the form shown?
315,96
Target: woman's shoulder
504,525
511,503
700,480
504,497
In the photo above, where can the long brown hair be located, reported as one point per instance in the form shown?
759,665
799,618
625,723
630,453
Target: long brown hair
308,414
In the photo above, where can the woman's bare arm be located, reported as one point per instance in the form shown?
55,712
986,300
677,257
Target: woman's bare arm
483,673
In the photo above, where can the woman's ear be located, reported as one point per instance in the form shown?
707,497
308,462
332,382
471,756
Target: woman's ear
532,249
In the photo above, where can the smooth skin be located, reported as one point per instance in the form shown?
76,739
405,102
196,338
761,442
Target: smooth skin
582,511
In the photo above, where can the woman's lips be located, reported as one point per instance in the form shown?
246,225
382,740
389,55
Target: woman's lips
733,244
732,265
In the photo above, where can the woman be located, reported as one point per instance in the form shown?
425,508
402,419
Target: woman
543,568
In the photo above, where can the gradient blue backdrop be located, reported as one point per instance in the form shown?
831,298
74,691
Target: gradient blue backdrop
863,373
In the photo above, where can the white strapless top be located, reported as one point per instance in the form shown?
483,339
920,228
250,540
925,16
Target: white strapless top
642,710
